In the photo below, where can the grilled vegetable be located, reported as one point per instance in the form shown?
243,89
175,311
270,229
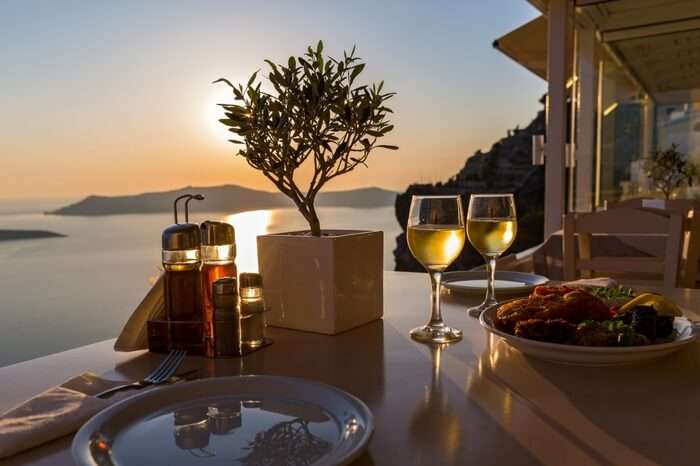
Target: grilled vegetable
608,333
644,321
664,326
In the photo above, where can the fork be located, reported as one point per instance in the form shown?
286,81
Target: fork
161,374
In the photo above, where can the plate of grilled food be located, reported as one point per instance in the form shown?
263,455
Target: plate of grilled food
591,327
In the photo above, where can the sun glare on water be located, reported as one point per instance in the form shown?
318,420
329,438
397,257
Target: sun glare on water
248,226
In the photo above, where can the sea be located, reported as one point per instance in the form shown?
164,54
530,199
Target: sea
61,293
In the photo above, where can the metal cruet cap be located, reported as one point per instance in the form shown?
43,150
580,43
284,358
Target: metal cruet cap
181,237
217,233
250,280
225,286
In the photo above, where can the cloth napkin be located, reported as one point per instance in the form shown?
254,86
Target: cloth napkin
134,335
593,283
54,413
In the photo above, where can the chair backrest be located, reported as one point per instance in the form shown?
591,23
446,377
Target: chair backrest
692,248
690,209
662,270
682,206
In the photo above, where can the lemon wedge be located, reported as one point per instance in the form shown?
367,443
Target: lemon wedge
662,305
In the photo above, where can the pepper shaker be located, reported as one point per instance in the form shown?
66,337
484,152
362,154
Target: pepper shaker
227,322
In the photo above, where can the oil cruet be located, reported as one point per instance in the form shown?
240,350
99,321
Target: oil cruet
181,258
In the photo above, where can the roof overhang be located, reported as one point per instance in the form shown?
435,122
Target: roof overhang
655,41
658,41
527,45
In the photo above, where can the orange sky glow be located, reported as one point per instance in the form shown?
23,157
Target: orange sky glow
120,100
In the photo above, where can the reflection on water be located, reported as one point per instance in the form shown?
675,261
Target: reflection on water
227,431
248,226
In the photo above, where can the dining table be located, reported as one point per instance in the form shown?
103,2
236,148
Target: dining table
474,402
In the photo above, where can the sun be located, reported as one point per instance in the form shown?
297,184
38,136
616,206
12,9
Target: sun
218,94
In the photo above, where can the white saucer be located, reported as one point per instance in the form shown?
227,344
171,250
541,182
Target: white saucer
507,283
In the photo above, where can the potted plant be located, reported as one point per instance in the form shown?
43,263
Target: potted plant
669,169
314,116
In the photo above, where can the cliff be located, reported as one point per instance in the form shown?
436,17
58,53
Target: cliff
505,168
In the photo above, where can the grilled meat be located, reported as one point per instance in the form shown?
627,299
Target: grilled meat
552,330
573,306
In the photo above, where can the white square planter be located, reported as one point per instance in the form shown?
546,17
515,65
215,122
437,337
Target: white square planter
325,284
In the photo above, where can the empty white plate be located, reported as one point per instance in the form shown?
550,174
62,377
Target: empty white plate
507,283
228,420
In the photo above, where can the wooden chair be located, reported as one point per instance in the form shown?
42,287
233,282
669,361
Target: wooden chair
656,270
675,205
690,210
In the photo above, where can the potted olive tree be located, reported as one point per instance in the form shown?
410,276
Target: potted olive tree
669,169
314,115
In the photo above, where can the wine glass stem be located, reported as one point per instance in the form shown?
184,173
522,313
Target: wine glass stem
491,286
435,314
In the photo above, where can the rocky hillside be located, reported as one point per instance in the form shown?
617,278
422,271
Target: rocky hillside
505,168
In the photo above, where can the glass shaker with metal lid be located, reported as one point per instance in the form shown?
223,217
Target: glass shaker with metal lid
252,310
218,252
227,325
182,263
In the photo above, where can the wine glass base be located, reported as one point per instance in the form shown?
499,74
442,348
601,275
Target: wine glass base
435,334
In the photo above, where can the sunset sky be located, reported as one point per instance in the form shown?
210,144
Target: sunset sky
101,97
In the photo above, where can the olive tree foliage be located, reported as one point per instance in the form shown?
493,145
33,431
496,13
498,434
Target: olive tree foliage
316,112
669,169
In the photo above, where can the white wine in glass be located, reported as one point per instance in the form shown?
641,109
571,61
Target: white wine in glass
436,236
491,237
436,246
491,229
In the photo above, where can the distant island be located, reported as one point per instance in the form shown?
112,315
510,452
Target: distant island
227,198
12,235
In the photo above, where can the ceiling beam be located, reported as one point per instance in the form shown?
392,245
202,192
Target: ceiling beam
637,15
631,75
590,2
649,30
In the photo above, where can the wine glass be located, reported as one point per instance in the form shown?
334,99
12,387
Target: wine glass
491,228
436,237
